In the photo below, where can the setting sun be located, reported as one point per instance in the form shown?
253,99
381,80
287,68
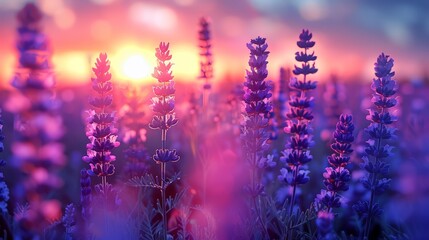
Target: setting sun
135,67
204,120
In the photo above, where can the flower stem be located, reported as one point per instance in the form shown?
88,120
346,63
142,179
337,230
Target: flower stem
292,201
163,188
373,182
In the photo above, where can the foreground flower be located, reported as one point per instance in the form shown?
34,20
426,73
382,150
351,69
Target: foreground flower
257,94
100,123
37,152
379,130
164,119
297,152
337,176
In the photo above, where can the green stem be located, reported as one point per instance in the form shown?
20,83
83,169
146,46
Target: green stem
292,202
163,188
373,177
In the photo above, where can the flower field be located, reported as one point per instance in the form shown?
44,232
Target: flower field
157,150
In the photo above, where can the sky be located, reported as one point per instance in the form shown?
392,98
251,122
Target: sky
349,35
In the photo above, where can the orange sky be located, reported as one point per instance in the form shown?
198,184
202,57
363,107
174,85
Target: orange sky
129,33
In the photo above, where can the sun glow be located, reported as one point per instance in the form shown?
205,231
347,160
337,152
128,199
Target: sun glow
135,67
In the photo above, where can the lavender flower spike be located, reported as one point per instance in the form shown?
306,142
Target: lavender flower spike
4,190
100,129
379,130
163,102
325,226
297,150
85,194
206,62
337,176
164,119
38,153
258,106
257,94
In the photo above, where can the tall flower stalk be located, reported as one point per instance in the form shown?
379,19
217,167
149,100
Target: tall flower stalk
102,136
100,128
206,59
377,150
100,123
38,155
206,75
297,152
258,106
336,176
164,118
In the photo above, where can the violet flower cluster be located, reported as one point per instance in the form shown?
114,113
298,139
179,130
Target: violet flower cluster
257,94
34,69
164,119
336,176
4,190
379,130
100,123
85,194
38,125
206,61
163,103
325,226
297,152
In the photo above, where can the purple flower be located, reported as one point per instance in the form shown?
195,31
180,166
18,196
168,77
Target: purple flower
362,209
2,162
165,155
38,155
206,58
256,127
164,119
163,102
4,190
379,130
337,177
325,226
85,194
4,194
69,219
257,94
100,129
297,152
